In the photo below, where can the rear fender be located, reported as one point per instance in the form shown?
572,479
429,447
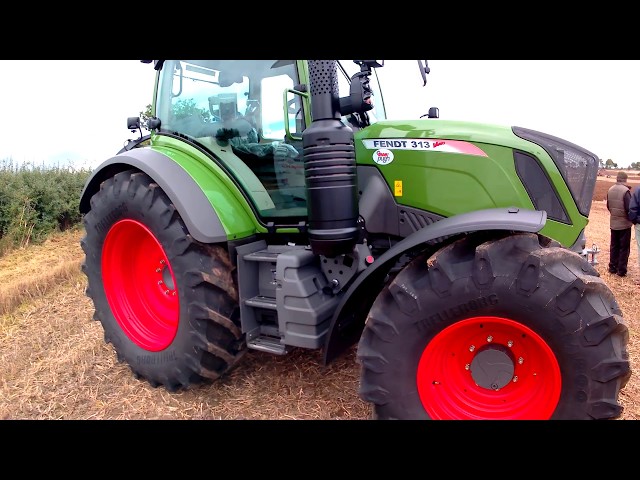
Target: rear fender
348,320
195,208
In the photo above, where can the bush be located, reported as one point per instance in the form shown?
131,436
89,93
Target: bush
37,201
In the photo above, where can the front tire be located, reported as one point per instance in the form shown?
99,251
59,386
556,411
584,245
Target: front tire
509,328
167,303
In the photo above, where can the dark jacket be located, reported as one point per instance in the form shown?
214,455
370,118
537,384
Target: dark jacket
634,206
618,199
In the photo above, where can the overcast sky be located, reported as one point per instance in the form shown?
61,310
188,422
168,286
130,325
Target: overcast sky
74,111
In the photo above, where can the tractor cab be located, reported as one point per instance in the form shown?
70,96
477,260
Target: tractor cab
251,114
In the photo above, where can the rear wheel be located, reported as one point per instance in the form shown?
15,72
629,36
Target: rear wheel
167,303
510,328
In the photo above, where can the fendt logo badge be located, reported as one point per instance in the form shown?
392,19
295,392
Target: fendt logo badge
383,156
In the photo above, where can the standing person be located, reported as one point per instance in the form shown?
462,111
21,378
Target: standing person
618,199
634,217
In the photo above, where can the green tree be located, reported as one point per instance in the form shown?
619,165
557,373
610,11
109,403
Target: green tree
145,116
181,109
36,201
187,108
635,165
611,164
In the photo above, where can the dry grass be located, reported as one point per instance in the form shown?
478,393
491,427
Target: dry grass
54,363
32,271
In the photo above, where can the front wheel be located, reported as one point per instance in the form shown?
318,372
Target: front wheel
508,328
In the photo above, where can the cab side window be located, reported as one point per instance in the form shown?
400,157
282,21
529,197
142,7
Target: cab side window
273,108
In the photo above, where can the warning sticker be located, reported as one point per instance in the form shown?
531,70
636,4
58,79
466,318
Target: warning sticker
397,188
435,144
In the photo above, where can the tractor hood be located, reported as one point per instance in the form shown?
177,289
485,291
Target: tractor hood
565,162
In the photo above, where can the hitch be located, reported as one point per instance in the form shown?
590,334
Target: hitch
591,254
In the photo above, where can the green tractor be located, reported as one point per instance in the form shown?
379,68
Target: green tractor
274,207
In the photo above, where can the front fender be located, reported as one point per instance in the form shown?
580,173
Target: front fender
195,208
348,319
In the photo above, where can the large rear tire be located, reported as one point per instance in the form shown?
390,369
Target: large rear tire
510,328
167,303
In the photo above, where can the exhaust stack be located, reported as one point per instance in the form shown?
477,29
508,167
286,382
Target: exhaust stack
329,167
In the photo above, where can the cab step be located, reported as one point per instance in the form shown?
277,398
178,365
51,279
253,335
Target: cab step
267,344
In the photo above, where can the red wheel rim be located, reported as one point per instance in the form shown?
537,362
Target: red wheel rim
449,390
140,286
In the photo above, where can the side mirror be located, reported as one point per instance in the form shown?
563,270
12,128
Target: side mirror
133,123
